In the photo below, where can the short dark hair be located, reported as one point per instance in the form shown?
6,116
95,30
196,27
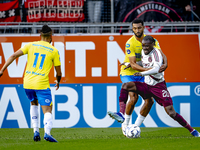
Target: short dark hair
149,38
137,20
46,30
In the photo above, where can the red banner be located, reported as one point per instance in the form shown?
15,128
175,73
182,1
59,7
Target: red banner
9,12
54,10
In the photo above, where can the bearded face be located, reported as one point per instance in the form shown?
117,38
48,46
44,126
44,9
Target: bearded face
138,29
139,34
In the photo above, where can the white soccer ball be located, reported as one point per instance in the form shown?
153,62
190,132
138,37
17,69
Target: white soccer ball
132,131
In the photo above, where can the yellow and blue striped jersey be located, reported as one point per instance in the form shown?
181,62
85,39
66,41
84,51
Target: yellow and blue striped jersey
41,56
133,48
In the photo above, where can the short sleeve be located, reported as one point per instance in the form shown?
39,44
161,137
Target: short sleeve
56,60
25,48
157,58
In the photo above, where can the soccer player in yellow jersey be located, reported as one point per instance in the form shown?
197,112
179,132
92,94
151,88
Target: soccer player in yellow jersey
41,55
131,65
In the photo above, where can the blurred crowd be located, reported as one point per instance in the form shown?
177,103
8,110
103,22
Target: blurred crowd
97,11
187,10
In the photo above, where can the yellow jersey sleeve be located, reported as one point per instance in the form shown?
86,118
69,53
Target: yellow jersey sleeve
133,49
26,48
157,45
56,60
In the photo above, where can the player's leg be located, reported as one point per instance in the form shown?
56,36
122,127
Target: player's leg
142,89
45,100
119,116
126,88
173,114
129,109
34,119
133,96
144,111
130,106
48,123
133,87
162,97
131,103
47,119
34,113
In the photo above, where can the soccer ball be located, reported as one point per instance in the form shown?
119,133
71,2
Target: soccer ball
132,131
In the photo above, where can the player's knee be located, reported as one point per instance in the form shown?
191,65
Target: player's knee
35,102
150,102
46,109
133,100
171,113
124,86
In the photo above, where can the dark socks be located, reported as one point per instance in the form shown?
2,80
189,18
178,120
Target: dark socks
122,107
122,100
183,122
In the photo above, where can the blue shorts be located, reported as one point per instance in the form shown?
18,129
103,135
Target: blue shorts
43,96
131,78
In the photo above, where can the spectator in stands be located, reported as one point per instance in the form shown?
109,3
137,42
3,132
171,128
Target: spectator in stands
121,8
192,10
95,8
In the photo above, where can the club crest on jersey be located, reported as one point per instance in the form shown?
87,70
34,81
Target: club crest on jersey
127,45
47,100
150,59
128,51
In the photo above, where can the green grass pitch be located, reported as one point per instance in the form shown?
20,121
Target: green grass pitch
100,139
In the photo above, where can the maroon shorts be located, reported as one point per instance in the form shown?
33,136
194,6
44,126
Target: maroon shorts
159,92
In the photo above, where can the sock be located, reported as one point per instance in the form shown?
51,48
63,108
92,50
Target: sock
34,117
48,122
139,120
183,122
122,100
122,107
127,119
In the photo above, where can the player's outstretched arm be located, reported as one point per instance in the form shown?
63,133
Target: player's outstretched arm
164,65
10,60
58,76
